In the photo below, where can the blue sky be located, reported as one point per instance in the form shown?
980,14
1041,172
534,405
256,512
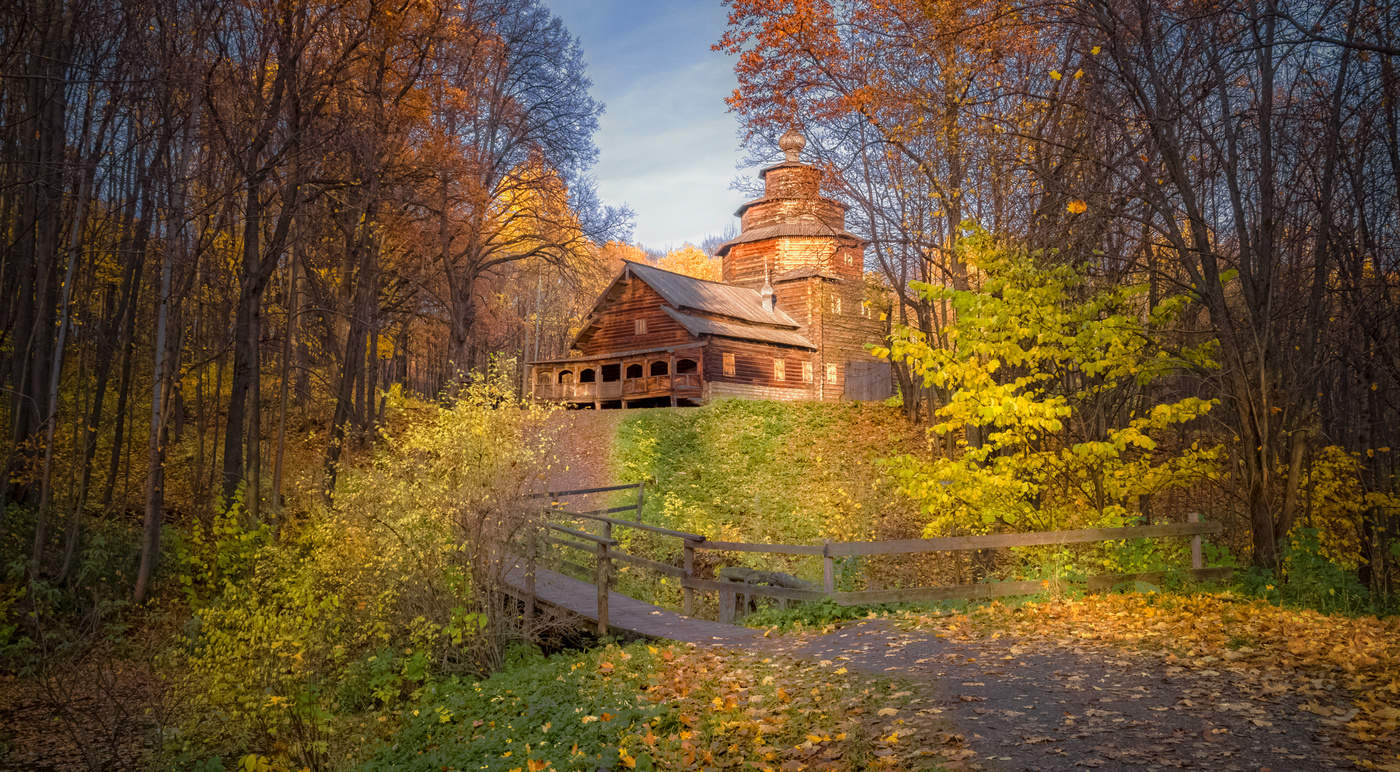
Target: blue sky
668,147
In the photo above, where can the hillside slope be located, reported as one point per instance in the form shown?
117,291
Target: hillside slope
739,470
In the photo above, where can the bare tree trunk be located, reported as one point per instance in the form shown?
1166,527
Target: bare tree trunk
285,386
155,459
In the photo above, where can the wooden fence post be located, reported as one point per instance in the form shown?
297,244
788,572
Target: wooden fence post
828,569
601,579
687,593
641,499
1196,560
726,606
532,555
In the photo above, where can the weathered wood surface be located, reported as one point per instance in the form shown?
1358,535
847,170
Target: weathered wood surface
624,613
958,543
633,523
582,491
729,592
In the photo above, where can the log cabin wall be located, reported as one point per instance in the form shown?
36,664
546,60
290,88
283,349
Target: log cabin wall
746,264
754,376
616,325
843,332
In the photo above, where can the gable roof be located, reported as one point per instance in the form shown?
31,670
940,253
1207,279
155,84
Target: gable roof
741,310
712,297
697,325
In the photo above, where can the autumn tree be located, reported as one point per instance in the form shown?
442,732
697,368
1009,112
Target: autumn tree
691,261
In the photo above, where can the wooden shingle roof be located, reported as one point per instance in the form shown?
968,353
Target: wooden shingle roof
706,308
698,325
711,297
788,229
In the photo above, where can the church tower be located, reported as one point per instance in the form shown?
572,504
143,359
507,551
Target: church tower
796,239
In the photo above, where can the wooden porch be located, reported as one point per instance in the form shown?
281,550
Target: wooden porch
672,374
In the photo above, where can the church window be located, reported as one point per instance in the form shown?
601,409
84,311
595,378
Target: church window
806,372
639,326
831,374
779,370
836,305
728,364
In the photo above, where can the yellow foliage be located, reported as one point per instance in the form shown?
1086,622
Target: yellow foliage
1033,356
1337,501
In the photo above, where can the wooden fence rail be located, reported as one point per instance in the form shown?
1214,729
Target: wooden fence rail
604,549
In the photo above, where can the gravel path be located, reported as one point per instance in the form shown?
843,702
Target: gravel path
1020,707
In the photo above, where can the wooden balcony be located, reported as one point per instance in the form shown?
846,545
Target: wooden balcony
672,374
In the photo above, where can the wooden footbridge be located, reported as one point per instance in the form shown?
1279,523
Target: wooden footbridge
589,533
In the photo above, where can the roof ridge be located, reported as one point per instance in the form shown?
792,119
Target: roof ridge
683,275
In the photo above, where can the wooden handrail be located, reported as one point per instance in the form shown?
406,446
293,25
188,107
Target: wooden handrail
957,543
776,549
639,526
585,535
604,548
581,491
593,512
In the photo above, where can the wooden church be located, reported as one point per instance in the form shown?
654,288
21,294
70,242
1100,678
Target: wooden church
789,321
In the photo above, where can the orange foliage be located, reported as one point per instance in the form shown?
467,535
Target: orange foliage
691,261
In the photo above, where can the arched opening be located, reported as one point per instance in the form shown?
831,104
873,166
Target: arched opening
587,376
684,366
612,373
566,376
542,376
634,371
658,367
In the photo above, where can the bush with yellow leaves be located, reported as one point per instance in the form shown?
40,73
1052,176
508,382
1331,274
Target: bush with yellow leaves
1047,417
309,639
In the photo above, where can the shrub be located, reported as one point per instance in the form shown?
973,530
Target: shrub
298,640
1045,400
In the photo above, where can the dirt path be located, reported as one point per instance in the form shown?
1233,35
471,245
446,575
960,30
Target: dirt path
1020,707
584,450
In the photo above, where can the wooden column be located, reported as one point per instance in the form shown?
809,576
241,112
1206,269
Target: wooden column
1197,560
671,376
688,594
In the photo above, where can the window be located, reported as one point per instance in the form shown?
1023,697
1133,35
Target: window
850,260
728,364
566,376
806,372
865,308
779,370
659,367
639,326
836,305
634,371
587,376
831,373
684,366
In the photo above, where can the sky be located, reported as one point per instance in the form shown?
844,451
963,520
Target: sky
667,145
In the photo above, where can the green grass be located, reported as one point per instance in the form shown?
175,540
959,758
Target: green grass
777,472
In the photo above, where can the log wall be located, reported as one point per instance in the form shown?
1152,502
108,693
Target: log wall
616,325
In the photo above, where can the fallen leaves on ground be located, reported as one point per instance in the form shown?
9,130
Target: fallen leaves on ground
671,707
1280,650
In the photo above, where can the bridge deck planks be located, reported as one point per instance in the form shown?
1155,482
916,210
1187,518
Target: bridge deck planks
625,613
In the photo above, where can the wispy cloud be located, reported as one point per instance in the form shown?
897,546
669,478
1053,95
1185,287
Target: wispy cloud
667,146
